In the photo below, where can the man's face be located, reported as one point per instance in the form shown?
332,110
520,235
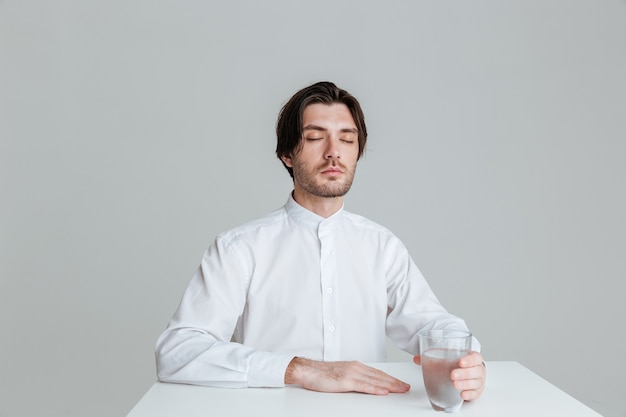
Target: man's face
324,165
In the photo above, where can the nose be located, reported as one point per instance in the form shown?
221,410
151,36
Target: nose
332,149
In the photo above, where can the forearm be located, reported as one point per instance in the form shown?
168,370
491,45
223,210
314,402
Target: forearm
414,307
194,357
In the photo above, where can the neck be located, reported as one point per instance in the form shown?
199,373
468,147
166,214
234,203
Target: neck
322,206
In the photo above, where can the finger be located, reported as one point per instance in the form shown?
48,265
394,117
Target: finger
417,359
369,387
470,381
468,384
470,395
473,359
387,382
351,376
381,380
366,387
475,372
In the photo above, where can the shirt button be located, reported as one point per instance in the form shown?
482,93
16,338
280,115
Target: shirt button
331,328
329,290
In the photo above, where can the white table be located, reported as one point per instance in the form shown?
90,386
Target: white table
512,390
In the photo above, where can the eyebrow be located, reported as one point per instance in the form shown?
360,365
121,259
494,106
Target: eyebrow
321,129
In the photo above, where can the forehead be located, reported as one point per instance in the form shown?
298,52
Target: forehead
335,115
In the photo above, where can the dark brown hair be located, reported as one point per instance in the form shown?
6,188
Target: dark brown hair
289,124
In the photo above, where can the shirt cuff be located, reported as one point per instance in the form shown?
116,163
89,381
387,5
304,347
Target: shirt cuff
475,345
267,369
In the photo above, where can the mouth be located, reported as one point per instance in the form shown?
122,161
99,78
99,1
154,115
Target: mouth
333,170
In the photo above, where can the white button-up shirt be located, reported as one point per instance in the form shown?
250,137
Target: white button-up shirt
296,284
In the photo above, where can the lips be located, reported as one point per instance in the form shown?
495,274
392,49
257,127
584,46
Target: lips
332,170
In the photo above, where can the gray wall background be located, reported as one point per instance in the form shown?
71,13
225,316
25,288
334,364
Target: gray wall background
132,132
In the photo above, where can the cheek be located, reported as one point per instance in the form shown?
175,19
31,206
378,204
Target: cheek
352,157
308,159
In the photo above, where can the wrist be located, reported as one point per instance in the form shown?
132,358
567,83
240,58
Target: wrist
292,370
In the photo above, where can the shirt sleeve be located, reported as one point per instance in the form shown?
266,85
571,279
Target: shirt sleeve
196,346
412,305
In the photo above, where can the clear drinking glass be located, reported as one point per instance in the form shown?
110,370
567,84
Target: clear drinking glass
440,351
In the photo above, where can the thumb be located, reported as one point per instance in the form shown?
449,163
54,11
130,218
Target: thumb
417,359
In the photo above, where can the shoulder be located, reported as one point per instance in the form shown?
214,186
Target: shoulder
370,227
255,227
363,222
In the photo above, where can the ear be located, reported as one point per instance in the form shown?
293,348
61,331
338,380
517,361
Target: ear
287,160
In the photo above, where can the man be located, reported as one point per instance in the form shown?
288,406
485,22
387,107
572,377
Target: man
308,293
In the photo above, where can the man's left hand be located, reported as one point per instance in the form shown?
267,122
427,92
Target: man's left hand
469,377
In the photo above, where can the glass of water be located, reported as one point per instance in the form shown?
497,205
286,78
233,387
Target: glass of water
440,351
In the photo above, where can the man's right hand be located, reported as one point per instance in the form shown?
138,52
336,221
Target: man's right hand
342,377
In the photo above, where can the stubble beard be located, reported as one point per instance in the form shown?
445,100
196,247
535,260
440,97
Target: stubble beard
328,189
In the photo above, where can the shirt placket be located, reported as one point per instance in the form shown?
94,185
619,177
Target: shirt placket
328,282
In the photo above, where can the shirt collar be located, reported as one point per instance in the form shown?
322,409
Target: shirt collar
308,218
